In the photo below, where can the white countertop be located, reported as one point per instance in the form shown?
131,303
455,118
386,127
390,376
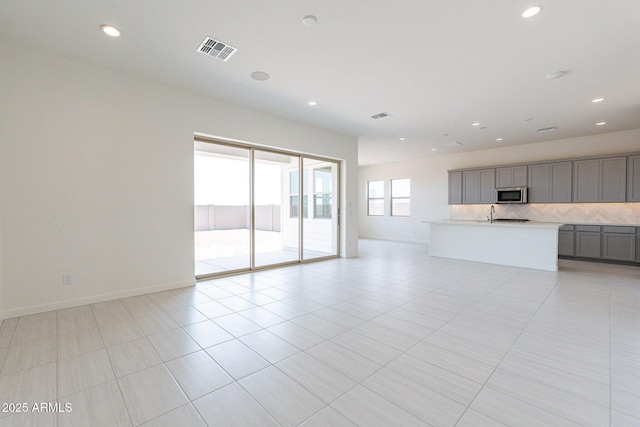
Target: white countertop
485,223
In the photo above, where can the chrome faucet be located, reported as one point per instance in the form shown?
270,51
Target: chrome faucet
491,212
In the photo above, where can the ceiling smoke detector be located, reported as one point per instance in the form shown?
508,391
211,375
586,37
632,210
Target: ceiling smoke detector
216,49
380,116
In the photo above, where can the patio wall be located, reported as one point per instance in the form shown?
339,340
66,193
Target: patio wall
215,217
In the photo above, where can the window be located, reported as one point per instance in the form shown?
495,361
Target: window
375,198
400,197
322,193
294,197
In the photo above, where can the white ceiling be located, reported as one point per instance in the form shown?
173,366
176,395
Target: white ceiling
435,66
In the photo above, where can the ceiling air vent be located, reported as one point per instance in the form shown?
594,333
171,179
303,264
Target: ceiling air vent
379,116
549,129
216,49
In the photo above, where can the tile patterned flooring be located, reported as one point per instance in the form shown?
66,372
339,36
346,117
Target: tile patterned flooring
392,338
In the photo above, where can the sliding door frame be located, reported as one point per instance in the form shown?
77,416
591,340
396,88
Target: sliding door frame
301,182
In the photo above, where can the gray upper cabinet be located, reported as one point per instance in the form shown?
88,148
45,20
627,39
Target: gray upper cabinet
604,179
613,179
478,186
600,180
633,179
512,176
455,188
550,183
586,174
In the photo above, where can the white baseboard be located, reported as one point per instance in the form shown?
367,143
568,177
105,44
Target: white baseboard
76,302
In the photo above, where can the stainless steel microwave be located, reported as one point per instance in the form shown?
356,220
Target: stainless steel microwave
511,195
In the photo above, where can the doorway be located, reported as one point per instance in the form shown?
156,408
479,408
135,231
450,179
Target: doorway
259,208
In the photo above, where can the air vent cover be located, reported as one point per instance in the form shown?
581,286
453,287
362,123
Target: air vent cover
380,116
549,129
217,49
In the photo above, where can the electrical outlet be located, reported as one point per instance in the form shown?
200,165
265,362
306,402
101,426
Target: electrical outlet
587,211
67,279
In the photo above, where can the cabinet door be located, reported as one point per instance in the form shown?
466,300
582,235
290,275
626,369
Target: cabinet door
587,244
586,178
470,186
487,186
512,176
560,182
613,179
520,176
566,243
504,177
539,183
619,247
633,179
455,188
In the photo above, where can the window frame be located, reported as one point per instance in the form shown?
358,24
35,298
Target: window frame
399,198
369,198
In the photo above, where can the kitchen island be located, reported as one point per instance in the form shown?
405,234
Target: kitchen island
529,245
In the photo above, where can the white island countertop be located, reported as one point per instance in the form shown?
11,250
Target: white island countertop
519,244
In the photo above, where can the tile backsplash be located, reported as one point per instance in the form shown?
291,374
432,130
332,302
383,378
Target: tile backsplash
570,213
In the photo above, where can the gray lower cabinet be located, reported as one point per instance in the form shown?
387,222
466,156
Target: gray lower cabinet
566,241
619,243
455,188
607,242
588,241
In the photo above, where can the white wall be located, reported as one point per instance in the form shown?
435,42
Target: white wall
429,180
87,152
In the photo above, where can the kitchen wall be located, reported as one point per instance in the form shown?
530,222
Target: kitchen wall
429,187
96,178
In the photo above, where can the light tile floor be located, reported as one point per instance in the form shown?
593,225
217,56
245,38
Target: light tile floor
392,338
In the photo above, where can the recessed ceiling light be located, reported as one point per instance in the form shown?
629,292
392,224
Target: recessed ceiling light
557,74
309,20
402,138
532,11
312,103
434,149
596,100
110,30
601,123
498,139
475,124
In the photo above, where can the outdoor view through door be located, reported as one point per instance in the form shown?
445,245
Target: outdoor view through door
256,208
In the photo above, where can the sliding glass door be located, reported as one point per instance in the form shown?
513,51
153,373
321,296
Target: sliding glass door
276,227
256,208
321,220
222,216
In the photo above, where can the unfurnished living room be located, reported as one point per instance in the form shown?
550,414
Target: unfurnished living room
312,213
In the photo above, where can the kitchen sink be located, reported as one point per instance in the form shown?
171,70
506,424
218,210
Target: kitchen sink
510,220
